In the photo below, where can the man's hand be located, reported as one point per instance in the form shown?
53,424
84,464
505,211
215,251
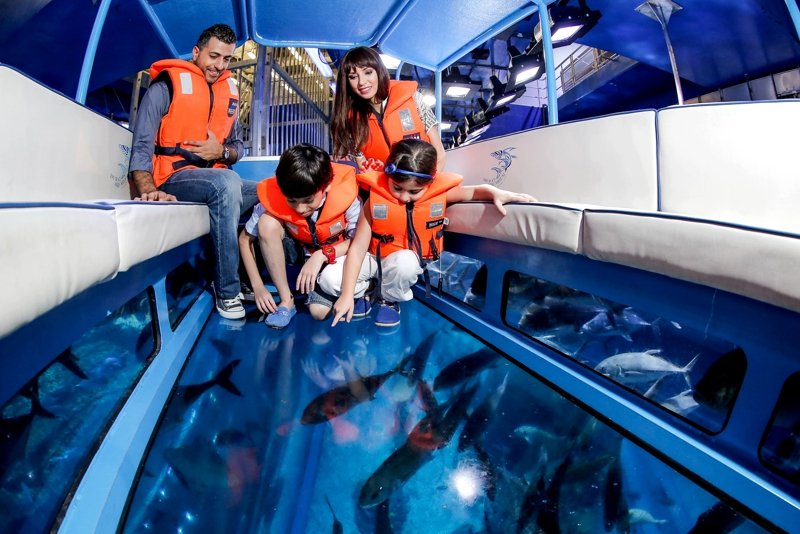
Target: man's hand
143,181
209,149
157,196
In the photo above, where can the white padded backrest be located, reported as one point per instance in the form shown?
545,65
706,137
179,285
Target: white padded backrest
50,253
608,161
732,162
56,149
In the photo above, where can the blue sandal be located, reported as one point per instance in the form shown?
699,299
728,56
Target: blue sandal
280,318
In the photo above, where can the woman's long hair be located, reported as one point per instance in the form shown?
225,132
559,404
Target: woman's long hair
350,124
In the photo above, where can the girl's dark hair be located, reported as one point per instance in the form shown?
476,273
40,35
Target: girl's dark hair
223,32
350,124
303,170
412,155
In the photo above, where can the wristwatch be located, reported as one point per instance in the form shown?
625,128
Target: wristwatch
330,253
226,153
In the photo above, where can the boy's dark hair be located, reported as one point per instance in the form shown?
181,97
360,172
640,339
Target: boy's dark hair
412,155
303,170
223,32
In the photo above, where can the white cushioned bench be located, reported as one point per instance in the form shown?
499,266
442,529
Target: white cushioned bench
66,153
51,253
720,210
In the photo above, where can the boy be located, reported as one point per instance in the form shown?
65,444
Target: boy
314,202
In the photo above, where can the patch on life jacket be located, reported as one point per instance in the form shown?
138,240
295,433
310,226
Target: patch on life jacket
186,83
406,120
336,228
291,228
232,105
437,209
232,86
434,224
380,211
411,136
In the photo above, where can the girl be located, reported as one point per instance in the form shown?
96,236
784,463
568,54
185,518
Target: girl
372,112
402,225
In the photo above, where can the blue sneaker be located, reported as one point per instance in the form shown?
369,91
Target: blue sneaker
280,318
388,314
361,307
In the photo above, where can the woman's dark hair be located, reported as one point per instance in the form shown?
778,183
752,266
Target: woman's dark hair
350,124
413,155
223,32
303,170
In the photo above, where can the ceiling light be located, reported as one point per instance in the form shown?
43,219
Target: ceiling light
523,68
459,86
390,62
567,24
501,97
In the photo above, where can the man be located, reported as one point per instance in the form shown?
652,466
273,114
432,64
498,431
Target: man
186,136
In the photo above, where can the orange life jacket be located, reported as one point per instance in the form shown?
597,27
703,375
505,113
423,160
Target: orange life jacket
331,224
390,228
192,112
400,121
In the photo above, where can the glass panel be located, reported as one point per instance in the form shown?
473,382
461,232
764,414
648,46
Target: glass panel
682,369
184,285
461,277
420,428
781,447
49,430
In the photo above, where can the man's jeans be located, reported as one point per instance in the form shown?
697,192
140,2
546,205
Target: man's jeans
227,196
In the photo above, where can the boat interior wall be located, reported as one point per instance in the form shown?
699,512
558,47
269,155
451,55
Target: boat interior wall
80,251
725,218
77,197
733,162
608,161
63,151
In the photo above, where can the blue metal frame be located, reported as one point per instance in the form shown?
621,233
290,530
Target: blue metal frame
91,51
549,62
155,22
794,11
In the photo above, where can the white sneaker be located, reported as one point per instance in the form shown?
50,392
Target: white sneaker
229,308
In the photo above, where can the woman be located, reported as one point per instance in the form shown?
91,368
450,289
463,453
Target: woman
371,112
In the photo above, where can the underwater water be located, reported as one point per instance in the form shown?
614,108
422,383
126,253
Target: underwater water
418,428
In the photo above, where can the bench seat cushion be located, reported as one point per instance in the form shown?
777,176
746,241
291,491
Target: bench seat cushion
760,264
51,252
147,229
551,226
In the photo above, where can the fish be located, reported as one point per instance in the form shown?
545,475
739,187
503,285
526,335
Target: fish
383,523
433,432
337,525
419,358
719,519
683,403
640,367
548,520
70,362
188,394
478,421
341,399
198,466
720,384
615,507
15,431
488,470
464,368
504,159
637,516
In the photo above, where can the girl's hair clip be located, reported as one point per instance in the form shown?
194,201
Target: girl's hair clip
391,169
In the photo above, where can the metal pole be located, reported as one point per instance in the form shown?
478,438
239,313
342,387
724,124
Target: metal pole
134,109
549,63
257,103
794,11
437,89
661,11
91,51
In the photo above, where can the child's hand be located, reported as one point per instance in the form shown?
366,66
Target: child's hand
342,310
504,197
307,278
264,300
374,164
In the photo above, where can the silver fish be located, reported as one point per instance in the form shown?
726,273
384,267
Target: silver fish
640,367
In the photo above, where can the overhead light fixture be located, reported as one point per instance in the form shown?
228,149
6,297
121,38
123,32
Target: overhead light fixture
459,86
500,97
523,68
567,24
322,66
446,126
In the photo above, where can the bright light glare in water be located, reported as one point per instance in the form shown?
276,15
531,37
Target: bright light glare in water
466,481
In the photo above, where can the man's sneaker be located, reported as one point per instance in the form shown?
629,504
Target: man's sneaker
228,308
361,307
388,314
247,293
